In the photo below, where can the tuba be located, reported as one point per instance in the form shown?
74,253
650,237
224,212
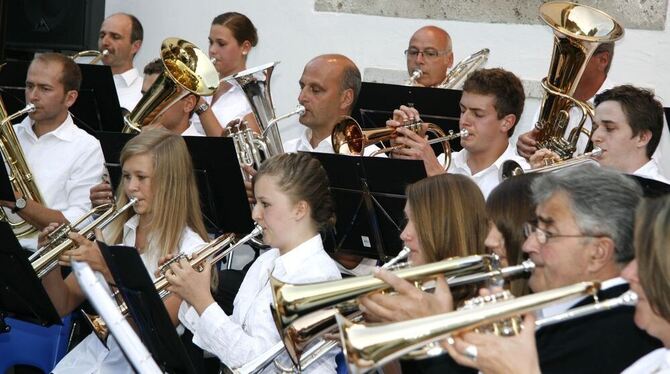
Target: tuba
187,70
19,173
578,31
349,138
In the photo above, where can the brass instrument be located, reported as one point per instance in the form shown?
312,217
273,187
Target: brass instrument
210,253
416,74
187,70
511,168
367,347
45,259
97,55
349,138
20,175
578,31
460,72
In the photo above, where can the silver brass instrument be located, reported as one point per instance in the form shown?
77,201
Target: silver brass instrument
578,31
187,70
368,347
20,175
210,253
349,138
511,168
45,259
97,55
416,74
458,74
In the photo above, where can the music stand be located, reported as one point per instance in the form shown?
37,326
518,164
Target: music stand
222,194
369,194
650,187
96,109
377,101
146,308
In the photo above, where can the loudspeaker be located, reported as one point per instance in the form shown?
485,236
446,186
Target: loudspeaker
53,25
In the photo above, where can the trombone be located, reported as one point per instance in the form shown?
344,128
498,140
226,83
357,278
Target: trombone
511,168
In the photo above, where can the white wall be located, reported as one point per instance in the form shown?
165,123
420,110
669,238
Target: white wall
292,32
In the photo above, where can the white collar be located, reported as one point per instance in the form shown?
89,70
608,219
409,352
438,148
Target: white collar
294,260
66,131
561,307
129,76
324,145
460,159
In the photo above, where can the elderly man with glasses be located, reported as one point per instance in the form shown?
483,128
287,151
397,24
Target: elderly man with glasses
430,52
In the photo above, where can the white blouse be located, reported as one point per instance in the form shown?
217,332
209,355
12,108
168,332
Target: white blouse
231,105
654,362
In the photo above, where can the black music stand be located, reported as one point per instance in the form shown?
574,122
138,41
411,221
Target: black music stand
650,187
377,101
369,195
217,170
97,107
146,308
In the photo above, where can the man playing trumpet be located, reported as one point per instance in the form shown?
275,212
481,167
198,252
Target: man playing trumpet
430,53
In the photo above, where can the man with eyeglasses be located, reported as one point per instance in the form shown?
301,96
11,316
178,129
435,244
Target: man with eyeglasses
430,52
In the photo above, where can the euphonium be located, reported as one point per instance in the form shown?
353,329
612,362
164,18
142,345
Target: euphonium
19,173
97,55
349,138
511,168
416,74
46,258
578,31
367,347
211,253
460,72
187,70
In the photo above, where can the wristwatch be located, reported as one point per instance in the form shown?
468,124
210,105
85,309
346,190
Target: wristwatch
201,108
20,204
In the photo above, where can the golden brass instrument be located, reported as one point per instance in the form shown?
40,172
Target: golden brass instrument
511,168
210,253
97,55
368,347
187,71
578,31
349,138
46,258
20,175
460,72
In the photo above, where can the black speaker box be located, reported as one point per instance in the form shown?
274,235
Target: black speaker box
53,25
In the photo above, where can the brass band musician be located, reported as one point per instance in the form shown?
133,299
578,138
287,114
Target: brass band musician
430,52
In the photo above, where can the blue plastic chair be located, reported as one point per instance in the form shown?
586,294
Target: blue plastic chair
34,345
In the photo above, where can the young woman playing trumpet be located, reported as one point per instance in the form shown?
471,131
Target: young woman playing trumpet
293,206
158,172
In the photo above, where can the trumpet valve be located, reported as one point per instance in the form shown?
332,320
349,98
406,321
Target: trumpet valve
504,327
166,265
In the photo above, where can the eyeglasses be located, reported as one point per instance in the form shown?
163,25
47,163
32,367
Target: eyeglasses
543,236
427,53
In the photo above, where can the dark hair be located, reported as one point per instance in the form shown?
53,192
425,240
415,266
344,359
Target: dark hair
609,48
303,178
504,86
240,25
70,75
154,66
509,206
136,29
351,79
641,109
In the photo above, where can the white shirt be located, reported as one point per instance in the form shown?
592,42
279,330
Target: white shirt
651,170
302,144
128,88
231,105
654,362
488,178
65,164
191,130
90,356
250,330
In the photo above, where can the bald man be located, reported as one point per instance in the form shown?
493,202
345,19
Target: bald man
430,51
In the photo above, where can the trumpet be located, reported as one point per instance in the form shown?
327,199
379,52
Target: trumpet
97,55
350,139
212,253
44,260
367,347
511,168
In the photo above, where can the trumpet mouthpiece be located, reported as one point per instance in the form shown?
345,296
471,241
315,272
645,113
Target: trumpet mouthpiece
105,52
300,110
464,133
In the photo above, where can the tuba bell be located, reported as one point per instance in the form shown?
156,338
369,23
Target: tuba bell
187,70
578,31
20,175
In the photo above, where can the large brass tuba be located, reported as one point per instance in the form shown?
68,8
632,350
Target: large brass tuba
19,173
187,70
578,31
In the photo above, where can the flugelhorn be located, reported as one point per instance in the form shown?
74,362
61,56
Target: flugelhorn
20,175
349,138
578,31
47,259
97,55
511,168
187,71
368,347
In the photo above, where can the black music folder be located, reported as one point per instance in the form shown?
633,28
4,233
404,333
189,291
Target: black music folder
146,308
650,187
222,194
369,194
96,109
